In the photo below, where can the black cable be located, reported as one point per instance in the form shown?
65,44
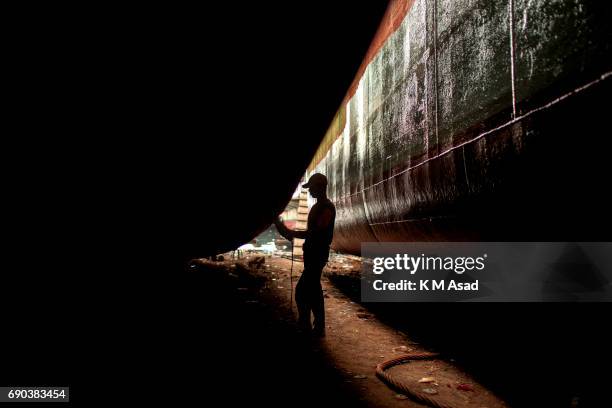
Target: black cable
291,280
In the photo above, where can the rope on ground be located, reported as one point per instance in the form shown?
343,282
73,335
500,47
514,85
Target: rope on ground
412,392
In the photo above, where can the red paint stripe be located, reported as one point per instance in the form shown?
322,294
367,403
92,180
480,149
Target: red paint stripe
392,19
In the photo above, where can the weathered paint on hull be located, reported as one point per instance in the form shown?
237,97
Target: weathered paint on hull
475,120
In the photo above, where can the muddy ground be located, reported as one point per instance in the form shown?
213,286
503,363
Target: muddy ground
254,342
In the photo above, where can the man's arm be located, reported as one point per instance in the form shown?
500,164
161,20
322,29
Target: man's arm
287,232
323,220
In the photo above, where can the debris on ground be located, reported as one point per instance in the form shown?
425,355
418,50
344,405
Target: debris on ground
356,340
430,391
465,387
257,262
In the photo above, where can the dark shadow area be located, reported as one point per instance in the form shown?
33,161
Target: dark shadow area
143,130
531,354
231,347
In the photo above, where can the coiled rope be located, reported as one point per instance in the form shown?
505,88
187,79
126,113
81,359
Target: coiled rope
410,391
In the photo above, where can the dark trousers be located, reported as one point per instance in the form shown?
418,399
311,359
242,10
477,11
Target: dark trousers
309,294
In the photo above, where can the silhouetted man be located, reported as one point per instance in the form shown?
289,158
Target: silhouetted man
318,237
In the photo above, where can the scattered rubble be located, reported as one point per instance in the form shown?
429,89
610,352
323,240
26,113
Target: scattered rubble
357,341
431,391
465,387
257,262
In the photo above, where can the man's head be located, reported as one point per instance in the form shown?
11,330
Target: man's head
317,185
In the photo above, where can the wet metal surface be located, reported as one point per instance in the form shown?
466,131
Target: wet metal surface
456,129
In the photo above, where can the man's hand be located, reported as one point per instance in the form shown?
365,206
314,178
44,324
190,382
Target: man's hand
282,229
280,226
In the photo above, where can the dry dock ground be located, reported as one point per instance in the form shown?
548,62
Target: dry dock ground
340,368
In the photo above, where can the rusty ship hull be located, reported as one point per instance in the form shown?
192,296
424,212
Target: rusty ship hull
475,120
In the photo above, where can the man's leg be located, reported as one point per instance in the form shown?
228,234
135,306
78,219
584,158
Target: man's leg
303,303
318,306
